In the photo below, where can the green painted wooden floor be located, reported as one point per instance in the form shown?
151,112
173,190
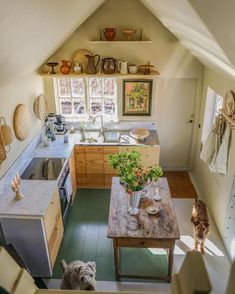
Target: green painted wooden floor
85,238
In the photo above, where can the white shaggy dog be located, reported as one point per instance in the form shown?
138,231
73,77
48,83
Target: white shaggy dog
78,275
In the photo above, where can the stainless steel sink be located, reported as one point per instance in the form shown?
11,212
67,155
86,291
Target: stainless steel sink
96,137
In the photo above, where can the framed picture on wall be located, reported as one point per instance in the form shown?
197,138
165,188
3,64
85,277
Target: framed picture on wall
137,97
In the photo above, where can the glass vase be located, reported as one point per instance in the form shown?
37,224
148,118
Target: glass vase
134,201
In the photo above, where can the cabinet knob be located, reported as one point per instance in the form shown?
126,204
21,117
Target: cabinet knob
52,202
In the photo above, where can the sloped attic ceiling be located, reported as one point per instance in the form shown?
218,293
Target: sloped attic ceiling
194,24
31,30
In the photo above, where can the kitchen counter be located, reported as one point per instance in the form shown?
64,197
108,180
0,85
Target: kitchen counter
38,193
60,149
37,196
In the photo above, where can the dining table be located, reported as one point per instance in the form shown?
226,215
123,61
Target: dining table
144,230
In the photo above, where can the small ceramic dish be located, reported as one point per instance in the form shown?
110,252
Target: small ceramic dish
151,210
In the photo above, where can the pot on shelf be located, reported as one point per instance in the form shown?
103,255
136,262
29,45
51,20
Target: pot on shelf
109,33
65,67
109,65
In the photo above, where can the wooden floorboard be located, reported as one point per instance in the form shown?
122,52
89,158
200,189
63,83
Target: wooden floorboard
85,239
180,184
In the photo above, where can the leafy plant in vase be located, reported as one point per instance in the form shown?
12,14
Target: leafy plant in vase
133,175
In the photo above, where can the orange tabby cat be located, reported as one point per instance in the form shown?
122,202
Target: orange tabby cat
200,220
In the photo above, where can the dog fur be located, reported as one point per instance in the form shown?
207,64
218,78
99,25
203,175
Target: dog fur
78,275
200,221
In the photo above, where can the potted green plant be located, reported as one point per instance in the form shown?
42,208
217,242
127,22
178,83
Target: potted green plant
133,175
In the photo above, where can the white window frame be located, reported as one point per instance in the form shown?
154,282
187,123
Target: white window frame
87,116
213,103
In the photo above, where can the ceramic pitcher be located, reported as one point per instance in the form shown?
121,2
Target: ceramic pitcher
122,67
92,65
66,66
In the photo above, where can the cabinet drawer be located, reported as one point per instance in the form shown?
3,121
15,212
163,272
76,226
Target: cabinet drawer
94,149
51,213
110,150
56,238
79,149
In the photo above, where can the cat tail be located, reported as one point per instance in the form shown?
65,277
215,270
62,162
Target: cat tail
63,264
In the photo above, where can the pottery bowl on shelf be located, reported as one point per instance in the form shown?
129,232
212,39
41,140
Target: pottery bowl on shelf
109,33
139,134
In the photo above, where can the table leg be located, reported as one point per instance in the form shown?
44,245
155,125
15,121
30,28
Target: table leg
170,263
116,261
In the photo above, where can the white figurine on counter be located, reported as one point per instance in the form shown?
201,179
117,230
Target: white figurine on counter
15,185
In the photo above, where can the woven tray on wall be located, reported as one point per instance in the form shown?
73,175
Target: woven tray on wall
21,122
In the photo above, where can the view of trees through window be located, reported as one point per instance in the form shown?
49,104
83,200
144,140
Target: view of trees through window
82,98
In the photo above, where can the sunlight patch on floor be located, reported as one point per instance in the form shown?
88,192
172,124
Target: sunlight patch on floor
158,251
210,247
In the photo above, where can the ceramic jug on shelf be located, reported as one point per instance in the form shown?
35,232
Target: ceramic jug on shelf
92,65
122,67
109,65
66,66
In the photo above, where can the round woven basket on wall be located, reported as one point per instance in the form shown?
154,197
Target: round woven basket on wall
21,122
40,107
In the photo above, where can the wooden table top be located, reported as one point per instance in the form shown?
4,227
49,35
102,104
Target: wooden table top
123,225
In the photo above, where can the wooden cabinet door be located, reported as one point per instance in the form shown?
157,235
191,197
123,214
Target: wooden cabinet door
149,154
80,165
73,173
109,172
94,166
54,226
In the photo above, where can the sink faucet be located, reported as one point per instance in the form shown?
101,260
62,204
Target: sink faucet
101,123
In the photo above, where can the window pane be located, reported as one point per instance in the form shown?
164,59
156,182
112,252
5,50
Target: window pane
78,88
108,87
109,106
213,104
79,106
64,87
66,106
95,87
95,106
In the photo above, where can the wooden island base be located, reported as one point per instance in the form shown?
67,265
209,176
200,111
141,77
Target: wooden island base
142,230
118,243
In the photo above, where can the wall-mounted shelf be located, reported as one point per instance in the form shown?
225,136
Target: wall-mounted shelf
228,118
137,75
122,42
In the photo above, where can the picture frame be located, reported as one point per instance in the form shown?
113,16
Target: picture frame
137,97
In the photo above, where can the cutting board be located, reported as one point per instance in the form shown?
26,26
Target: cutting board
21,122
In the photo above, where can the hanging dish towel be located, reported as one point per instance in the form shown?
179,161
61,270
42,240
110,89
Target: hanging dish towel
219,165
211,146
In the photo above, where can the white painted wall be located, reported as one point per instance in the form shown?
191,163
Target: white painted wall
215,188
20,91
180,71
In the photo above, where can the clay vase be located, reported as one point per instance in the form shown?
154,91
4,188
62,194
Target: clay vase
109,65
109,33
92,65
65,67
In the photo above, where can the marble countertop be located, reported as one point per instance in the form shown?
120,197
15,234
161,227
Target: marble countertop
60,149
37,196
